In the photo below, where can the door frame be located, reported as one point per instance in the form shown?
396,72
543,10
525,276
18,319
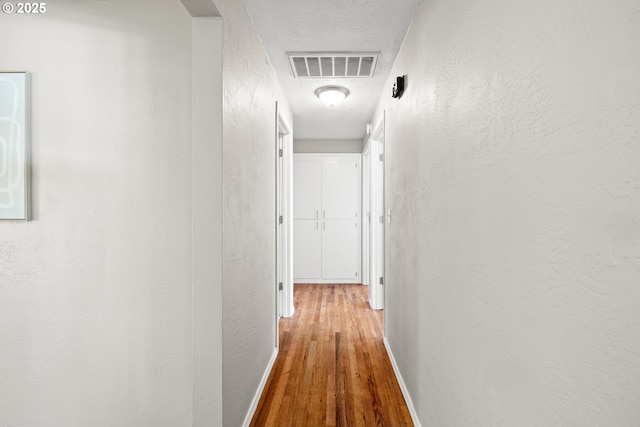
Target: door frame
366,215
376,259
284,228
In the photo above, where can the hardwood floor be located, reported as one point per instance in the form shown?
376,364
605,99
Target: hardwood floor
332,368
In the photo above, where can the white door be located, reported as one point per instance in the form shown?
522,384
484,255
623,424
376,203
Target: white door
327,189
340,189
307,189
340,249
307,245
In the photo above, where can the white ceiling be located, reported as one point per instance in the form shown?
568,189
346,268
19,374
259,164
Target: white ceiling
332,26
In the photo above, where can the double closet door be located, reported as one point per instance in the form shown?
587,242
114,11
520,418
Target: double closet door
326,212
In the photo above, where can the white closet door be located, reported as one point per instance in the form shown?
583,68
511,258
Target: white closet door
307,249
340,188
340,249
307,189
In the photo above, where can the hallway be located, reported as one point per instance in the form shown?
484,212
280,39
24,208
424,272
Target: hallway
144,290
332,368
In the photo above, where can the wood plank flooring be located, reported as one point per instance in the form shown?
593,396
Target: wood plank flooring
332,368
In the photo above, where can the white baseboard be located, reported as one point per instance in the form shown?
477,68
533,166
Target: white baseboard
263,382
403,386
291,312
327,281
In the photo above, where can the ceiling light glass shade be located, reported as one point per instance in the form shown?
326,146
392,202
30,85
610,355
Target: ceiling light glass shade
332,95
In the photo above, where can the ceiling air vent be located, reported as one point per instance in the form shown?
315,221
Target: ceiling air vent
320,65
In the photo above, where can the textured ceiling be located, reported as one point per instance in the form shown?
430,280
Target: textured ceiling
332,26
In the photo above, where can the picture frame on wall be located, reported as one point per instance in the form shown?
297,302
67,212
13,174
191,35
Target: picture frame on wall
15,126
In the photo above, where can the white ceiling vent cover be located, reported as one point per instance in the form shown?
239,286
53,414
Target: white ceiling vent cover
322,65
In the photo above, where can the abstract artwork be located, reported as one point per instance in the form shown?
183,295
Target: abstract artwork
14,146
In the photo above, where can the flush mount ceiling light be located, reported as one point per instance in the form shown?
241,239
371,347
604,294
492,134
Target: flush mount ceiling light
332,95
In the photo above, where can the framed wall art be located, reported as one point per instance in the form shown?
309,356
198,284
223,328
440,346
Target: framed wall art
15,191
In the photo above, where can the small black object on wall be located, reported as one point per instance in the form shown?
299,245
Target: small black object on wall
398,87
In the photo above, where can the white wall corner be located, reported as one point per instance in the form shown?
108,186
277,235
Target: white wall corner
403,386
263,382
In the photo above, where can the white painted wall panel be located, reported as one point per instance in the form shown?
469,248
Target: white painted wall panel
249,209
512,176
207,220
95,293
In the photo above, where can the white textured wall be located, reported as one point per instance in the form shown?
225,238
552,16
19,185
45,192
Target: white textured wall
513,175
327,145
249,128
95,293
206,175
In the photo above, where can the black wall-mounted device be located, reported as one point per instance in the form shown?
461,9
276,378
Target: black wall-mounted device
398,87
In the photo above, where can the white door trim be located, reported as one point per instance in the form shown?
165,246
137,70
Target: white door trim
366,215
284,230
376,237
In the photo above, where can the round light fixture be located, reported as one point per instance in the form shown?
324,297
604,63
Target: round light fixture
332,95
